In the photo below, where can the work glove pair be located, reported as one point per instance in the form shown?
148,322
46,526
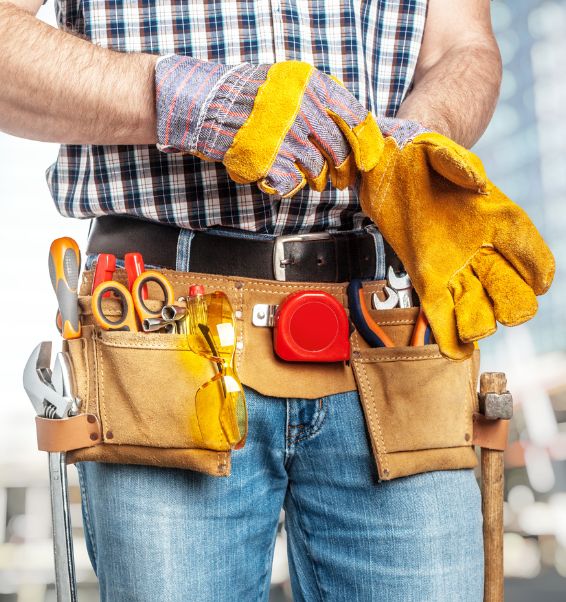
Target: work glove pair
474,257
281,126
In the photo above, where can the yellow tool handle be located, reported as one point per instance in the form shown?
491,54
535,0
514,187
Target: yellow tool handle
64,266
127,320
144,313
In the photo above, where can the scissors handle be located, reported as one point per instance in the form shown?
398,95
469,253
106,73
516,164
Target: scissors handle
127,320
138,287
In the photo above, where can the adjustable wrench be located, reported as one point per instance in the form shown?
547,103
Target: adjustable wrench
52,393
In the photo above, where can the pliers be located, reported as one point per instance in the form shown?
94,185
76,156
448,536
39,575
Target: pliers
370,330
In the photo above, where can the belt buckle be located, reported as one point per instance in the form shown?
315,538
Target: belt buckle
279,261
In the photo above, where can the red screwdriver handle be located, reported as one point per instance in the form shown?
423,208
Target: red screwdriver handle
135,267
105,268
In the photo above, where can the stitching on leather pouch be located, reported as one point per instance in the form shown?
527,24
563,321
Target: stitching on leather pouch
391,322
101,399
394,358
240,331
86,376
471,393
374,419
152,344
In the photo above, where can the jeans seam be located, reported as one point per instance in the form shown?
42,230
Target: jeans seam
313,563
269,565
87,514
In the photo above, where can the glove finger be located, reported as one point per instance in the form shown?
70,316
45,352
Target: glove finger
514,301
316,182
332,95
356,123
284,178
343,175
441,316
322,131
517,239
474,310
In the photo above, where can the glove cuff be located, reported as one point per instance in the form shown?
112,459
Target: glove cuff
402,131
182,86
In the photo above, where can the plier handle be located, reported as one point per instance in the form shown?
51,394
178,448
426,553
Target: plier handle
370,330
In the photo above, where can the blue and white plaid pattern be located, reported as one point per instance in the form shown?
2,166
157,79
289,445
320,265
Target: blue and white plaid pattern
371,45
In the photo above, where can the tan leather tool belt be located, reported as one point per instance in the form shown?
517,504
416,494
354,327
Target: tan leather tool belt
136,396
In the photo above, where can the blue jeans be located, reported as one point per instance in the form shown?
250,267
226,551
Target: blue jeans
169,535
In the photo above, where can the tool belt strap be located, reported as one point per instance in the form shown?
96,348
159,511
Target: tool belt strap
490,434
61,435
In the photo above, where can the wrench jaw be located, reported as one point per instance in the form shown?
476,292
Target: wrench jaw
391,300
50,391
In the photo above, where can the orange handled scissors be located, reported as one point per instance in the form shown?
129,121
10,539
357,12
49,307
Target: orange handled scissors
134,309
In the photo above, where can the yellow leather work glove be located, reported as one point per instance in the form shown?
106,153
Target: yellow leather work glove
473,255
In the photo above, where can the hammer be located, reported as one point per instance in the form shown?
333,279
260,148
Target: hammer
490,433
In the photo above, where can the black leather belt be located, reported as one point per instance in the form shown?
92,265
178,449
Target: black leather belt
317,257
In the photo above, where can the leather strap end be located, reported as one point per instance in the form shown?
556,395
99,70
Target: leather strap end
490,434
65,434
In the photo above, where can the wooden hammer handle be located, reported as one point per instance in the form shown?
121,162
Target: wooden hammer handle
492,485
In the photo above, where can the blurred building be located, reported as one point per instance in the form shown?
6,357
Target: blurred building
524,150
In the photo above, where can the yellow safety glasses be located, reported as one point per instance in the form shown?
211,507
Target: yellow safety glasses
211,333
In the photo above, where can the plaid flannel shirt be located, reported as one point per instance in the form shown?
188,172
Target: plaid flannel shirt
371,45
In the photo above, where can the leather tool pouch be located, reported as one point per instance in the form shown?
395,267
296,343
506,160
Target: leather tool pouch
418,405
138,392
141,388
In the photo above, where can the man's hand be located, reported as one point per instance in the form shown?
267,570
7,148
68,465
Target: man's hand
282,125
474,257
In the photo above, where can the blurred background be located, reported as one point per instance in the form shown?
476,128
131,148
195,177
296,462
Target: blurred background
523,149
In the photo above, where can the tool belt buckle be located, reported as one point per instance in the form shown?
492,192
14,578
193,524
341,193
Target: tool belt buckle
280,262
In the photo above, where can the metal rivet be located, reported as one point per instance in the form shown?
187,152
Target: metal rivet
239,285
467,436
239,314
93,436
90,418
110,435
261,315
386,472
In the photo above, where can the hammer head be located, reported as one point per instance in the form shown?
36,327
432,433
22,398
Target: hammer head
497,405
49,390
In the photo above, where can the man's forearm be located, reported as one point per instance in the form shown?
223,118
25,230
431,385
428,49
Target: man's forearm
457,95
60,88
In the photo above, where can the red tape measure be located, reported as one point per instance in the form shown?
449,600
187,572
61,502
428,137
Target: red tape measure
311,326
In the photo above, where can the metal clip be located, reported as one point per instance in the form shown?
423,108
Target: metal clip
263,315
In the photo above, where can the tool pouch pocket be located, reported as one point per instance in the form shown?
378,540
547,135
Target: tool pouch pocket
142,388
418,404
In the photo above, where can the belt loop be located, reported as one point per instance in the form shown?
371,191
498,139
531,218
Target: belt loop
184,250
380,267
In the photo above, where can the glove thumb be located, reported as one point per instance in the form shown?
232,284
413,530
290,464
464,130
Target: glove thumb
454,162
